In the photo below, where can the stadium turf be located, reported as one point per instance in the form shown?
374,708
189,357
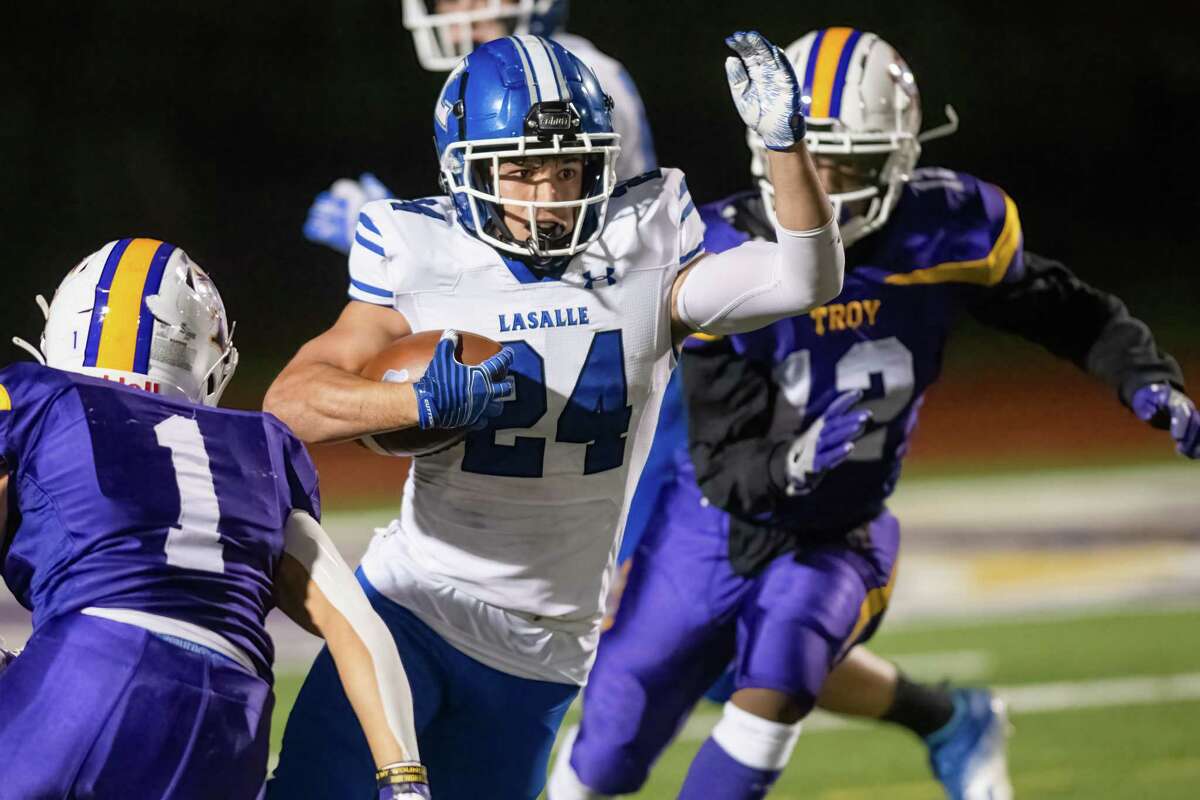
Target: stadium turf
1105,705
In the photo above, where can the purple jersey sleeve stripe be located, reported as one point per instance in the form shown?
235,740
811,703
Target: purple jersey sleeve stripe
158,265
839,78
92,348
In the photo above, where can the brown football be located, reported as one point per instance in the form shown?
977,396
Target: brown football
405,362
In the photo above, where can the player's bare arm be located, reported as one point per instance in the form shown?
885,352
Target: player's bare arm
320,393
317,590
751,286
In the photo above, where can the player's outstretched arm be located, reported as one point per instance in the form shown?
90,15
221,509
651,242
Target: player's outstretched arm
320,393
316,588
1049,305
753,285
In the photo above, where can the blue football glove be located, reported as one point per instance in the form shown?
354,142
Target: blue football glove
453,395
826,444
406,780
765,90
333,216
1164,406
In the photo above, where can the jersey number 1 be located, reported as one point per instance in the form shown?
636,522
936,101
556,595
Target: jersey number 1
193,542
597,414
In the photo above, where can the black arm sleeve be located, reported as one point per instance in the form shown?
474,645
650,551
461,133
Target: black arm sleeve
1089,327
731,402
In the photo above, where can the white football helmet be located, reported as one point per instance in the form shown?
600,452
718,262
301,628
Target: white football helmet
141,313
860,100
442,39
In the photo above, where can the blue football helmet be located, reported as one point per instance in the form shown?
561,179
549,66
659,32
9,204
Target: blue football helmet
524,97
443,32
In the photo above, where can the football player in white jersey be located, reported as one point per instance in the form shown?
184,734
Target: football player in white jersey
446,30
493,578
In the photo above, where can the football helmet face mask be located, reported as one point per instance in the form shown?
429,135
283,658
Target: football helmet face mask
863,115
141,313
524,98
443,38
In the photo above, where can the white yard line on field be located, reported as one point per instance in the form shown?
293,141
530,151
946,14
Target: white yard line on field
1037,698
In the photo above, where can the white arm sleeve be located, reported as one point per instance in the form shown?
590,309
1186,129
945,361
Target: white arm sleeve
756,283
307,542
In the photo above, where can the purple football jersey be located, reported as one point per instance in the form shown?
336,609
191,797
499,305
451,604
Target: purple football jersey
951,238
128,500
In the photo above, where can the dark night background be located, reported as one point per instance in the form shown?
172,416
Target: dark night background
213,125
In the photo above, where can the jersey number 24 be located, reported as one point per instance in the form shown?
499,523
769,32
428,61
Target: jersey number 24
597,414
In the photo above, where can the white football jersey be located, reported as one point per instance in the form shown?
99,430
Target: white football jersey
506,542
628,114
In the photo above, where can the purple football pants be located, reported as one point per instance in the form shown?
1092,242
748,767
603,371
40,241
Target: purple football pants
685,615
99,709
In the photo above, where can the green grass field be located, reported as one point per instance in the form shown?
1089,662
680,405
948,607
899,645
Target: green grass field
1113,724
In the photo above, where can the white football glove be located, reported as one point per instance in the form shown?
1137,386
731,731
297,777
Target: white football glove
333,215
765,89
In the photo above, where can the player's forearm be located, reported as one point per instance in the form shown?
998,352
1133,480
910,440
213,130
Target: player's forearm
322,403
1052,307
800,201
356,669
757,283
317,589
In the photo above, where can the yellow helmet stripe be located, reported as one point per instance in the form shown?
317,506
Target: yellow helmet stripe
5,400
826,69
119,337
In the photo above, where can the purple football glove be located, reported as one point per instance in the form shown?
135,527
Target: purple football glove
454,395
1165,407
406,780
826,444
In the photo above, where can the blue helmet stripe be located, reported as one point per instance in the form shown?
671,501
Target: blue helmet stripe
145,331
91,350
810,69
530,78
839,79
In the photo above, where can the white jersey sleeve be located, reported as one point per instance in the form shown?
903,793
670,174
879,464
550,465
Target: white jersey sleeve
691,227
369,282
629,114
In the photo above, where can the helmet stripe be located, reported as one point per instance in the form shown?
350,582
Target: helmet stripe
543,69
825,70
100,303
839,79
5,400
809,68
158,266
530,84
124,303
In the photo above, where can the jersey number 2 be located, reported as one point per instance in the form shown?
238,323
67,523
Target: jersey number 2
888,359
597,414
193,542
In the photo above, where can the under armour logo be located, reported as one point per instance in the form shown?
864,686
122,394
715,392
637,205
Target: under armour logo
607,277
